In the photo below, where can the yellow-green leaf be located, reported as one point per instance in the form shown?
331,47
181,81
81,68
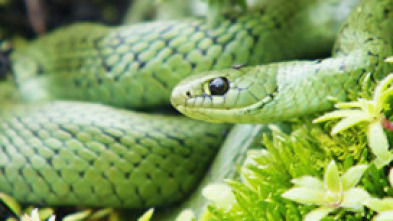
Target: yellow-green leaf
332,178
101,213
352,176
382,86
306,196
147,215
352,104
77,216
318,214
220,194
308,181
382,99
186,215
354,199
349,122
337,114
377,140
379,205
11,203
384,216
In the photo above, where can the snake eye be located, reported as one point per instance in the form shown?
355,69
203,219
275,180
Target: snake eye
219,86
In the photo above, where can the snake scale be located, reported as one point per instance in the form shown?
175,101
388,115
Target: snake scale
70,152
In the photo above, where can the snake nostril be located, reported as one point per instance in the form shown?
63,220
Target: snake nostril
188,93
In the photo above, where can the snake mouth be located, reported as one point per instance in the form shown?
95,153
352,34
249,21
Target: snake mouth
224,114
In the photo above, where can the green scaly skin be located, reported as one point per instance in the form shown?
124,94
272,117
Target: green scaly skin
73,153
98,63
279,91
67,153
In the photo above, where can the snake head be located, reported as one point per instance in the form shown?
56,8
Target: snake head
221,96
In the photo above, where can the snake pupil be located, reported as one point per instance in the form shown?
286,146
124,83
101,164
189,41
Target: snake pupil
219,86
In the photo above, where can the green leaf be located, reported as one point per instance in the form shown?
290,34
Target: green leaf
147,215
306,196
45,213
382,86
384,216
352,176
389,59
308,181
379,205
372,110
384,160
11,203
352,104
186,215
220,194
382,99
332,178
391,177
354,199
337,114
377,140
350,122
101,213
77,216
318,214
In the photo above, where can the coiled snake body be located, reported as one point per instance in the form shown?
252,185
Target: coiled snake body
74,153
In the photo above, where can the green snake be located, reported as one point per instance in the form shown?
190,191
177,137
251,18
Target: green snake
279,91
70,152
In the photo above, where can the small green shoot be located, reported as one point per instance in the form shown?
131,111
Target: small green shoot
330,194
370,112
